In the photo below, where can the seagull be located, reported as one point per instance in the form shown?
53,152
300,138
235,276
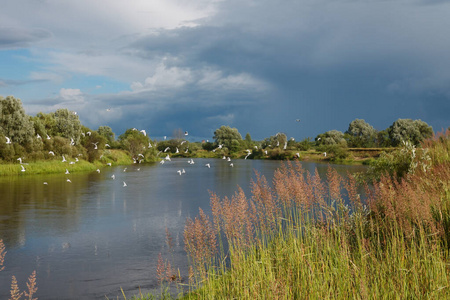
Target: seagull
38,136
67,172
167,149
208,165
187,150
224,157
247,156
297,120
231,165
51,152
165,137
72,142
143,132
285,146
325,154
177,150
74,112
179,172
89,133
124,184
191,162
125,169
108,164
297,154
76,159
98,170
182,142
45,182
168,157
72,163
186,133
107,145
140,154
149,145
23,169
183,171
113,176
108,109
228,158
95,145
64,159
162,161
8,140
68,180
48,137
20,160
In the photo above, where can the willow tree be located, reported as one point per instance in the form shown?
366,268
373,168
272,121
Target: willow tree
228,137
14,122
414,131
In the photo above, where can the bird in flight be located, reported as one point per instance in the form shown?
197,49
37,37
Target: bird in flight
124,184
186,133
297,120
8,140
143,132
23,168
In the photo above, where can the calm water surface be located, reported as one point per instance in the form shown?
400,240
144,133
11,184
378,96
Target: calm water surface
89,238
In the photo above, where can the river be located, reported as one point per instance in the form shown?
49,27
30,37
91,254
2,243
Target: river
90,237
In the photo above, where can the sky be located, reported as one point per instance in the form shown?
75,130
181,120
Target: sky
258,66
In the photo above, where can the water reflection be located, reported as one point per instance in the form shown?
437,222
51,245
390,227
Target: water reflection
88,238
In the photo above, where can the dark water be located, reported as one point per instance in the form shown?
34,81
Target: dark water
89,238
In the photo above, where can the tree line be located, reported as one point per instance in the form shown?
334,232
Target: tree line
61,133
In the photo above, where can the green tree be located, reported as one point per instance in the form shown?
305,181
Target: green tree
361,134
137,145
414,131
277,140
66,124
332,137
227,136
14,123
107,133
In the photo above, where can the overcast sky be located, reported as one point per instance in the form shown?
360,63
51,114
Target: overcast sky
162,65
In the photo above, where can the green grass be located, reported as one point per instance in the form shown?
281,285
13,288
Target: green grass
115,157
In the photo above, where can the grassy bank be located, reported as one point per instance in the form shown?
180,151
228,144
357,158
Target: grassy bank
299,240
114,157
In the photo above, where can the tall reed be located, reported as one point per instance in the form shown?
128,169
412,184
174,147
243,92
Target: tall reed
299,238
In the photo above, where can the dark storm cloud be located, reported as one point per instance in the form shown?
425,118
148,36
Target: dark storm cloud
11,37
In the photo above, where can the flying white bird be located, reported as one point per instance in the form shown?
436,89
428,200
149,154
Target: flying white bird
168,157
48,137
98,170
108,164
107,145
124,184
186,133
20,160
8,140
64,159
95,145
285,146
113,176
325,154
182,142
68,180
108,109
149,145
297,120
167,149
143,132
51,152
72,142
179,172
165,137
23,168
231,165
67,172
38,136
208,165
183,171
89,133
162,161
45,182
177,150
125,169
187,150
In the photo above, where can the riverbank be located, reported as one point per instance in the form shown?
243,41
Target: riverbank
57,165
120,157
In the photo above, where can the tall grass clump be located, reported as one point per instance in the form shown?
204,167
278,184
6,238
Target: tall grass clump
305,237
15,292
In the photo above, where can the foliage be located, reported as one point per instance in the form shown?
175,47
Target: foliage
14,123
228,137
400,162
361,134
331,137
414,131
137,144
277,140
108,134
66,125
